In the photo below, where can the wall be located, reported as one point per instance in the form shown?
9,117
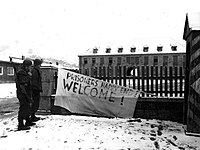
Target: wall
160,108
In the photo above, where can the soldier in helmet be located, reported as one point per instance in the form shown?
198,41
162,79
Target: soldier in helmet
24,95
36,88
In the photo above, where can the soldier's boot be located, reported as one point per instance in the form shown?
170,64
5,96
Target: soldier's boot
29,122
21,125
34,118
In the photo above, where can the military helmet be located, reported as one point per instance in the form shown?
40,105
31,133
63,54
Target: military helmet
37,62
27,62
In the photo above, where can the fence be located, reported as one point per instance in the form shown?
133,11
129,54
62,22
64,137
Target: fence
151,80
166,83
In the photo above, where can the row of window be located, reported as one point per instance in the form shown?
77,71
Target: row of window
112,71
135,60
10,70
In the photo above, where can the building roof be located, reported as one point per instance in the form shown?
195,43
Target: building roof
192,22
151,44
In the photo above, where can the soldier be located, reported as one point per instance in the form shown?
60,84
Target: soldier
36,88
24,95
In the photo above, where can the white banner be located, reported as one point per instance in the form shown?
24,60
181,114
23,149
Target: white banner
86,95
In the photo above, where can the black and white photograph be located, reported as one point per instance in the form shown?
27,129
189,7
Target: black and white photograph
100,75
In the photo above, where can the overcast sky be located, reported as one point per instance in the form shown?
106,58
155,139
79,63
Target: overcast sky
65,28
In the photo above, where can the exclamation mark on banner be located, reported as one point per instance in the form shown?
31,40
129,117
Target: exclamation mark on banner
122,100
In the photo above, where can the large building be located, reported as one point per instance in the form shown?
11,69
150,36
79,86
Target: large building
143,52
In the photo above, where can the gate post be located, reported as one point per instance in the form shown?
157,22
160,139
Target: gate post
192,91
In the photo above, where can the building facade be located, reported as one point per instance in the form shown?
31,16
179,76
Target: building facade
166,54
7,74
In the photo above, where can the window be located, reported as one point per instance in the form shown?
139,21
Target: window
101,61
119,60
95,50
85,61
145,49
1,70
108,50
120,50
128,60
10,71
136,60
129,71
155,60
165,60
146,60
133,49
174,48
132,60
110,60
86,71
159,48
93,61
175,60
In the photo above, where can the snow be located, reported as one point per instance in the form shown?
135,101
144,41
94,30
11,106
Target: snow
85,132
7,90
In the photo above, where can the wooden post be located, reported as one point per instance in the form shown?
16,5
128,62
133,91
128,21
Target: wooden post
138,72
124,76
147,79
175,81
120,75
133,77
156,77
161,81
171,81
166,81
143,80
152,78
104,73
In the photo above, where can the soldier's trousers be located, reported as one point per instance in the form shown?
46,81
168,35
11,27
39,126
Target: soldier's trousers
24,106
36,101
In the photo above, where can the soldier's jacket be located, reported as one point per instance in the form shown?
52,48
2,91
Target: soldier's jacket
23,80
36,80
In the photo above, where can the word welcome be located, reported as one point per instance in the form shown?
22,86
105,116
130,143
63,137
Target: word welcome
88,90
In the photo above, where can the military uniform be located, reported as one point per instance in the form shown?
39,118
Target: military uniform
23,80
36,88
23,93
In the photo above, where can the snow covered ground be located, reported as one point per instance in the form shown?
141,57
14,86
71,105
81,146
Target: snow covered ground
81,132
84,132
7,90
